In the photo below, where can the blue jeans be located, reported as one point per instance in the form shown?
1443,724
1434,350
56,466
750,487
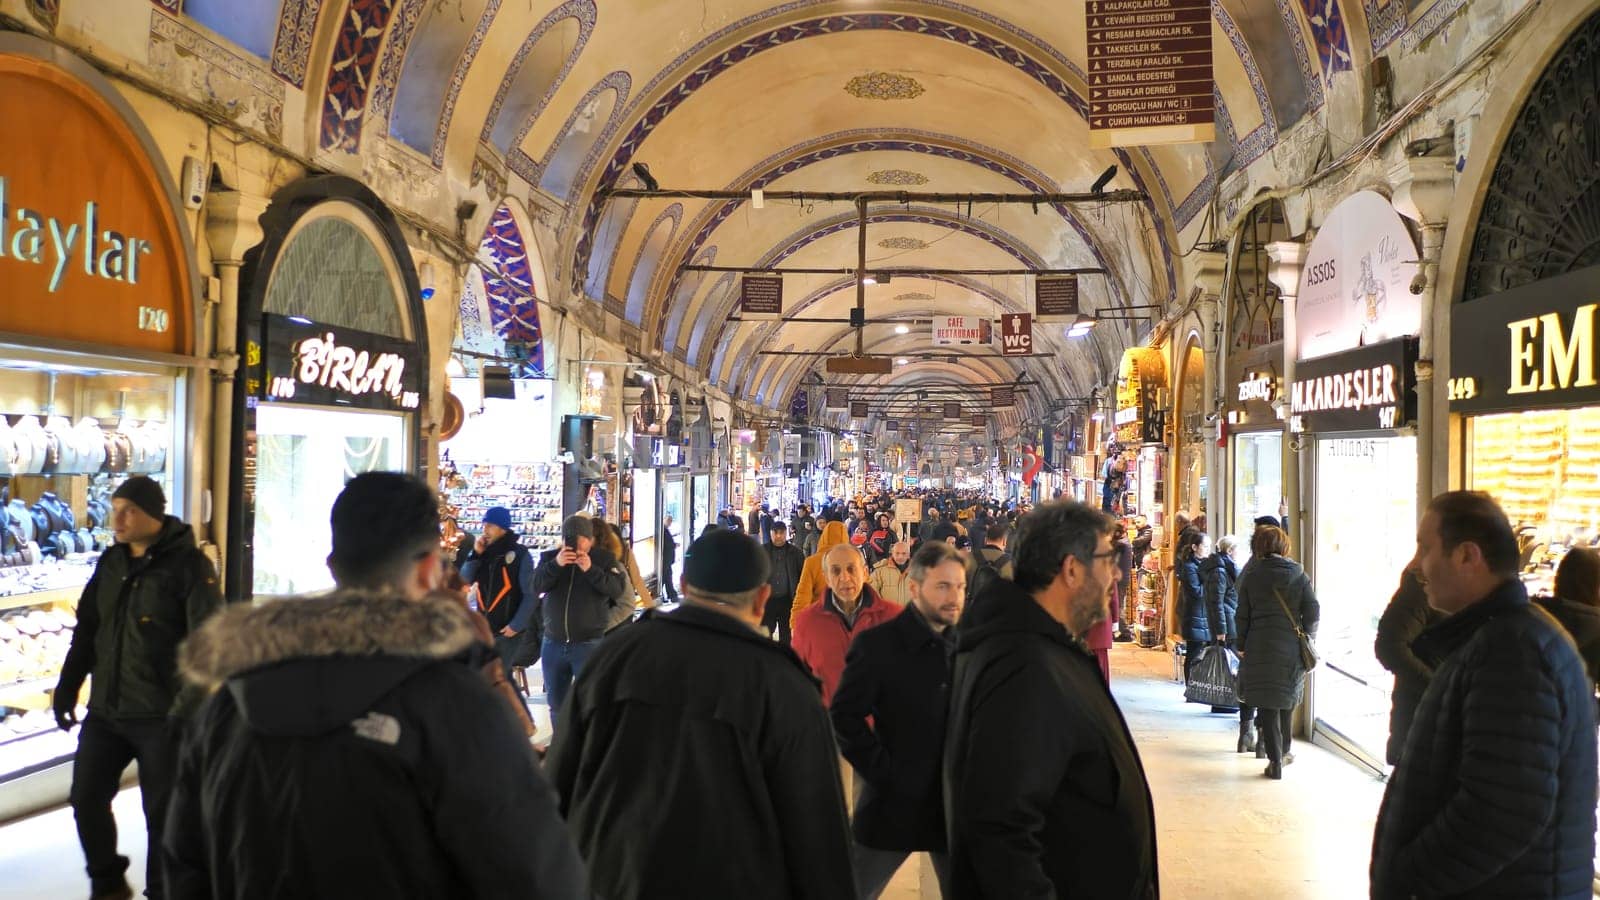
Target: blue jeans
563,663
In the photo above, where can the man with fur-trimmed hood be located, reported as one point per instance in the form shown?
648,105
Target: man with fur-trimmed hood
351,745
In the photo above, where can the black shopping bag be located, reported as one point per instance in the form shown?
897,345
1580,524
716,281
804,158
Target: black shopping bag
1214,677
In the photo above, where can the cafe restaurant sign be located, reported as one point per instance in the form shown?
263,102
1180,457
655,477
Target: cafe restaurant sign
319,364
1368,389
1531,347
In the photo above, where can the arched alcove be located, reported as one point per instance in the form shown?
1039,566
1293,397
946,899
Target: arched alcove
656,242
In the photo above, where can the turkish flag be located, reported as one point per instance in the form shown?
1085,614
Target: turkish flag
1032,464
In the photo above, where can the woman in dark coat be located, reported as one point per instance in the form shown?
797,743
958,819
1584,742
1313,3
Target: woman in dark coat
1271,675
1576,604
1406,617
1193,547
1219,575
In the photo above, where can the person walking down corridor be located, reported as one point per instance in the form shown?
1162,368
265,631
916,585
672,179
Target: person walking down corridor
149,591
786,562
891,577
503,571
1275,601
1193,548
1045,794
889,717
579,584
823,631
1407,615
739,795
1219,576
1495,792
813,584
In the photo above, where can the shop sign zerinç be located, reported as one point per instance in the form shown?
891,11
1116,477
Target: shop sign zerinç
1531,347
305,362
91,246
1366,389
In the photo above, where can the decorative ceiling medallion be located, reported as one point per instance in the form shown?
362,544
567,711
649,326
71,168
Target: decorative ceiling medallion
884,86
901,177
903,243
913,295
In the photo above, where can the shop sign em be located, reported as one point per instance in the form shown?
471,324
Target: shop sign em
1531,347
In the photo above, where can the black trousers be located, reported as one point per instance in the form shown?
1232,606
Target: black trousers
669,586
775,620
1276,731
105,747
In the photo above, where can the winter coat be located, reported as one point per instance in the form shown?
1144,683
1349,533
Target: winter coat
1045,794
1219,579
1582,622
889,715
738,743
891,583
636,592
578,606
132,615
1406,616
1495,792
1271,675
1195,624
822,635
787,562
350,748
812,583
504,574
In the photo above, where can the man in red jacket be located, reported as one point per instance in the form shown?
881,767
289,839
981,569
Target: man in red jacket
823,631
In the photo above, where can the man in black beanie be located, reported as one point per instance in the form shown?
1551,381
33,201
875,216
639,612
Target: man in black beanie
737,737
149,591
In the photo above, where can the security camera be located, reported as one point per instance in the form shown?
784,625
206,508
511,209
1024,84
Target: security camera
1419,282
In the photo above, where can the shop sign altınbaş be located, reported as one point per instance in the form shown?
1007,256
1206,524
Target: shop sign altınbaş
1355,286
1531,347
1366,389
304,362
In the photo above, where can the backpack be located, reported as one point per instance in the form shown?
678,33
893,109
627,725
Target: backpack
986,573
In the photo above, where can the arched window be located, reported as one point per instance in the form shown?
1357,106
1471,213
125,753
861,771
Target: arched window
656,242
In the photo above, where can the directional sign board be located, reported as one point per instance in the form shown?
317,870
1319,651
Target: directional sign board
1150,74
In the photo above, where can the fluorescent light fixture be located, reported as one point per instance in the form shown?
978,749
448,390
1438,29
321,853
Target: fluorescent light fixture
869,278
901,361
1081,326
300,320
902,329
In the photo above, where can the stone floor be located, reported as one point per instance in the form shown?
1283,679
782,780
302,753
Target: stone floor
1225,831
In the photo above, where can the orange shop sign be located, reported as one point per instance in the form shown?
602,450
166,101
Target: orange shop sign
91,249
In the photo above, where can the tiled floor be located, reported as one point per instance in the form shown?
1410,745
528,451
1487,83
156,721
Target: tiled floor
1225,831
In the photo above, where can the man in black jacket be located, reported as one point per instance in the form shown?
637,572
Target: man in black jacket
1495,792
148,592
786,561
1407,616
1045,794
739,744
889,716
503,571
578,584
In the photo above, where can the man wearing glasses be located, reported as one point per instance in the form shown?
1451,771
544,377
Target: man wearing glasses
1045,794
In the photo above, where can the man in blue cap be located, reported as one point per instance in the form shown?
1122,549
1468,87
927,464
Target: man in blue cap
503,571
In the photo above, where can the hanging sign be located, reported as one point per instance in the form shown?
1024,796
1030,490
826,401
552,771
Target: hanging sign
1055,296
1150,75
1531,347
959,330
838,398
305,362
980,420
1360,390
761,297
1003,397
1016,334
858,409
952,410
1355,286
891,425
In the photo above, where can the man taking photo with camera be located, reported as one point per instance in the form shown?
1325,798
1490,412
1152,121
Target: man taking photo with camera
578,583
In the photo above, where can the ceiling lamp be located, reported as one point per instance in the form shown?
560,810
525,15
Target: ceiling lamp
1081,326
902,329
901,361
869,278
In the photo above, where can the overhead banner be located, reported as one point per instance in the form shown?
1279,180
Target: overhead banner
858,409
1003,397
1360,390
761,297
952,410
1355,286
1150,75
1016,334
838,398
1055,296
1531,347
951,331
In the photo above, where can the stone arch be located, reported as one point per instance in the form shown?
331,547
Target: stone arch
648,261
557,172
527,89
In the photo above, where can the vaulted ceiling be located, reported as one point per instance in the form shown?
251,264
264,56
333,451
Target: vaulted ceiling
558,98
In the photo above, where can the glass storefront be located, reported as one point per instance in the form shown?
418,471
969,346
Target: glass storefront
304,456
1364,539
1257,480
645,521
672,504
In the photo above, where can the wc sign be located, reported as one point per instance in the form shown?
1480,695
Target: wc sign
1016,334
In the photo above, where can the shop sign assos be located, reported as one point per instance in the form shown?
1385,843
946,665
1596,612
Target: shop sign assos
1531,347
318,364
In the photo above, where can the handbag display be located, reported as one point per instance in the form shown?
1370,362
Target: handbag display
1308,653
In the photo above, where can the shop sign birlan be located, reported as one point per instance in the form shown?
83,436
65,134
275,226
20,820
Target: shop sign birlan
321,361
31,236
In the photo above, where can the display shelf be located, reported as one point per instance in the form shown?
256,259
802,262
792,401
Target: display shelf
54,596
532,493
30,694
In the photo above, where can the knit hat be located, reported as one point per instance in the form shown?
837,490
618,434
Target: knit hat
498,515
143,491
725,562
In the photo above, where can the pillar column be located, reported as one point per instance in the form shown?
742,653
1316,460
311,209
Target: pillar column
1211,269
232,228
1287,257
